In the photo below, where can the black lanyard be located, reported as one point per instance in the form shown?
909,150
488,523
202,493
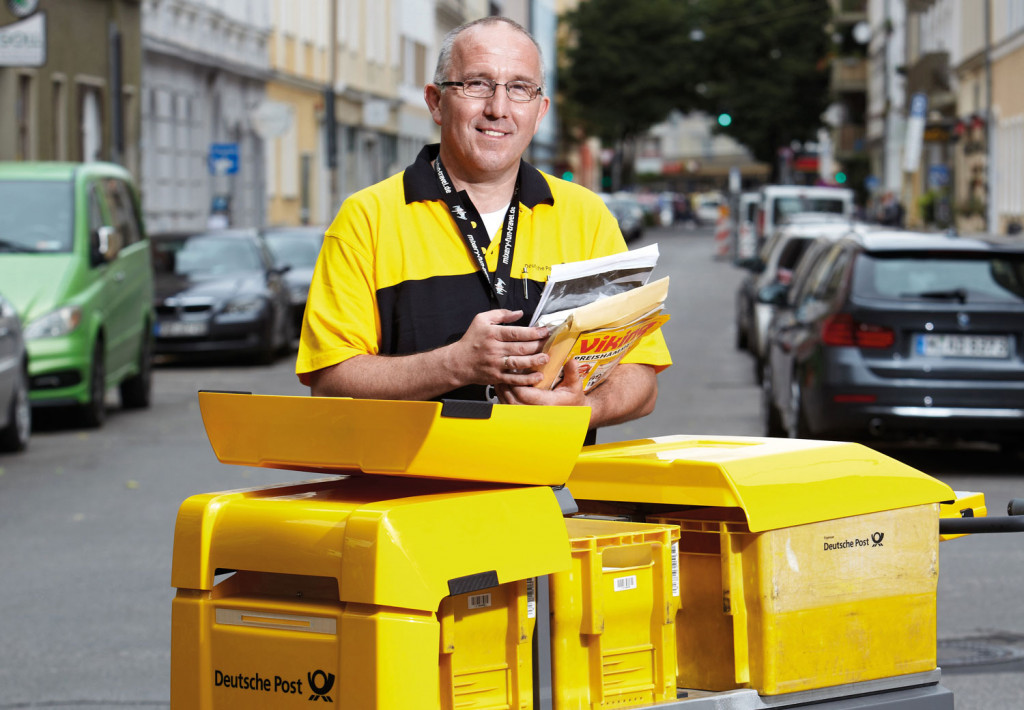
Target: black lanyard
499,286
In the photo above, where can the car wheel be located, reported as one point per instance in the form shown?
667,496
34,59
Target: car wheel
287,332
266,352
94,412
14,437
136,391
796,426
741,336
770,416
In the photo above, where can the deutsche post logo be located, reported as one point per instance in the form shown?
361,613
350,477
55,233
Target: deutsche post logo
876,539
320,682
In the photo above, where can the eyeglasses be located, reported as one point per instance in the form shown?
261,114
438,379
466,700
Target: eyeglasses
521,91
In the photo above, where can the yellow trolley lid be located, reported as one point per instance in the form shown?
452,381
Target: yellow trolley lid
778,483
469,441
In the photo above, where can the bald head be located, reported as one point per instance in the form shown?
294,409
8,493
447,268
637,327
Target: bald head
444,57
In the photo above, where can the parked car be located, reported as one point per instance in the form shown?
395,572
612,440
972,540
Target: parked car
708,207
775,264
630,214
780,202
744,220
74,261
220,293
893,334
15,409
298,249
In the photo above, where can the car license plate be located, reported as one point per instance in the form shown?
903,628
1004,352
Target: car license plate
967,346
178,329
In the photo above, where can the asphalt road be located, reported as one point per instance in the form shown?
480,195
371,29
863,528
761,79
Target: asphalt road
87,517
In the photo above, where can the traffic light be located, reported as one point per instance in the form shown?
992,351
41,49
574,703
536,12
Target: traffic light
567,175
724,119
840,177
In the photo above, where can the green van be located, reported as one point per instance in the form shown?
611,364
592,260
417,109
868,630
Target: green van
74,261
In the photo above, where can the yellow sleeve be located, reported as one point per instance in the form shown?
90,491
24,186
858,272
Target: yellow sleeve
341,318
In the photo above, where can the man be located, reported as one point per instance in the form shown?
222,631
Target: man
400,306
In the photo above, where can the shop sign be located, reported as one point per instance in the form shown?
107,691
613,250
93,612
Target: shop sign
23,44
22,8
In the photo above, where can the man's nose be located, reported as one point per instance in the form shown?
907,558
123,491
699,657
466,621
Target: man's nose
498,105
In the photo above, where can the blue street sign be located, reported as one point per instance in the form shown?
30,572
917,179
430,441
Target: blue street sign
938,175
919,105
223,158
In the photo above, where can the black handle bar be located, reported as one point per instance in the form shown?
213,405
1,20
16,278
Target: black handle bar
1013,521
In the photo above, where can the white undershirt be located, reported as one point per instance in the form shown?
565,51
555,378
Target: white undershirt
494,220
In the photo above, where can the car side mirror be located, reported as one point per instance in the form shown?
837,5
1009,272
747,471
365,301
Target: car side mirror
774,294
751,263
102,241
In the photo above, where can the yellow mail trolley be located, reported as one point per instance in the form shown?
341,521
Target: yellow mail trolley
467,555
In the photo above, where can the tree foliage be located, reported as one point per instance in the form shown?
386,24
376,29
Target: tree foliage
765,62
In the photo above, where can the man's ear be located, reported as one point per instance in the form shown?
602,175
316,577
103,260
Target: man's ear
432,95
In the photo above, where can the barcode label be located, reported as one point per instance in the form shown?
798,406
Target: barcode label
479,601
531,598
675,569
624,583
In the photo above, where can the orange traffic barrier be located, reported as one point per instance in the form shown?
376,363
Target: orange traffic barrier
723,230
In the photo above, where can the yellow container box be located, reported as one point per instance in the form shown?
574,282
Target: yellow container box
814,605
344,591
613,615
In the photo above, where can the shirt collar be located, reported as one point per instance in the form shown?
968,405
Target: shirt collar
420,181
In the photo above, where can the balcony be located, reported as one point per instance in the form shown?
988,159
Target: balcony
849,74
849,139
849,11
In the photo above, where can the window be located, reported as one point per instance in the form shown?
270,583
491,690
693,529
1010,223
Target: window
90,123
414,62
122,211
24,117
37,216
936,278
60,120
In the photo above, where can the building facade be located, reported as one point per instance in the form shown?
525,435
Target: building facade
70,80
206,64
1006,211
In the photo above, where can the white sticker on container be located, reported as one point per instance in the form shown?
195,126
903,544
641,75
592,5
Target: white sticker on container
479,601
531,598
624,583
675,569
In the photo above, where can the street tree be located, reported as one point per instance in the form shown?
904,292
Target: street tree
764,63
767,68
621,67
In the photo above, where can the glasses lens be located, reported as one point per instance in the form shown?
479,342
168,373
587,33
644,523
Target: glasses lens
478,88
521,91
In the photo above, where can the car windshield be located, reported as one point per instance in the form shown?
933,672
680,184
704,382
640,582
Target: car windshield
36,216
294,249
205,255
962,278
786,206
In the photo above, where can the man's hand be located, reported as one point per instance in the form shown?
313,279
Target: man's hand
491,352
629,392
568,393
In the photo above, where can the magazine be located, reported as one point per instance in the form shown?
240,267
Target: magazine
602,332
581,282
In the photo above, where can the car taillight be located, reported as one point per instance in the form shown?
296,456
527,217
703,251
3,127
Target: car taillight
841,330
